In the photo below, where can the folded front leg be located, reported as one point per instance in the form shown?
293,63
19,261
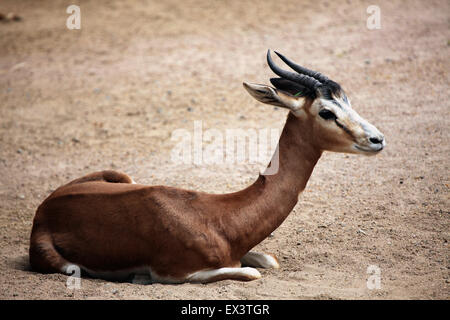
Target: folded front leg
260,260
241,274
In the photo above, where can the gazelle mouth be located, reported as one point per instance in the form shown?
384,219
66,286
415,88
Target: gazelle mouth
369,150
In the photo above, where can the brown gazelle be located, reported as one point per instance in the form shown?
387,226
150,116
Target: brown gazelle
113,228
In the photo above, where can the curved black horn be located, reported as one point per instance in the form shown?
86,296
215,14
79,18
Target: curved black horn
302,79
314,74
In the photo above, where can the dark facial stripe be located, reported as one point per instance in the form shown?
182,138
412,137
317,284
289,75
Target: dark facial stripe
345,99
337,104
340,125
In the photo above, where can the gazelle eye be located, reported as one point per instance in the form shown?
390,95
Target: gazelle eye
327,114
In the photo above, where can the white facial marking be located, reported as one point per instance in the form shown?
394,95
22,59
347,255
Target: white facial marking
363,130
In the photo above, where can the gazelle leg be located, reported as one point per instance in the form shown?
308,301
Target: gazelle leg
241,274
260,260
142,279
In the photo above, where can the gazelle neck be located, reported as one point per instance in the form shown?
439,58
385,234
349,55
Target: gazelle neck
271,198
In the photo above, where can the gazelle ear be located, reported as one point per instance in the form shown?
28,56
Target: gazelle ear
269,95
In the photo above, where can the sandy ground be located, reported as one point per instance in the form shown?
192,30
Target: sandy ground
110,95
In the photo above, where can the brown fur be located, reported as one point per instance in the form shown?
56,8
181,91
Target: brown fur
104,223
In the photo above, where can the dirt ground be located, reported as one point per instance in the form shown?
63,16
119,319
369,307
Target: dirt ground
110,95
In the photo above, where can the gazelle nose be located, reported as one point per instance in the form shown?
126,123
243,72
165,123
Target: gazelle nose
376,140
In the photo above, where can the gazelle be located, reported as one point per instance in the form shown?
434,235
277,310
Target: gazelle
113,228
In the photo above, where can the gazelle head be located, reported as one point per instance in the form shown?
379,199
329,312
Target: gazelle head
321,104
